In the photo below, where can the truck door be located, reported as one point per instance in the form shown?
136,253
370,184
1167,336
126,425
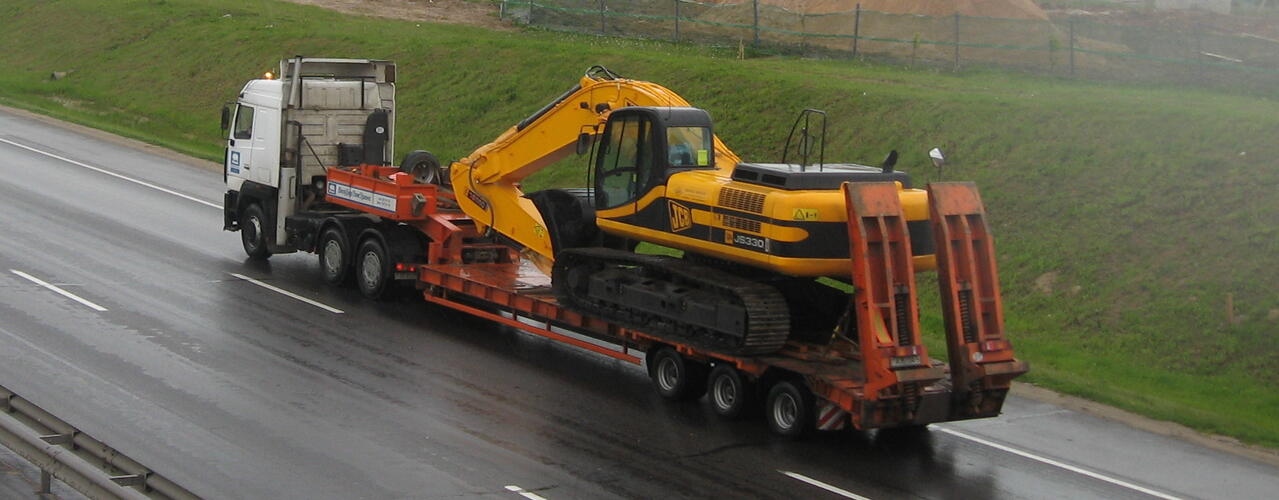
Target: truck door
239,160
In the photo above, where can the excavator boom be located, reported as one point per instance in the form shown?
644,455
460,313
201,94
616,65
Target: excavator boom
487,181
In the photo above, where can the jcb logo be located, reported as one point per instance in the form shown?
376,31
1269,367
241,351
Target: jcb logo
681,217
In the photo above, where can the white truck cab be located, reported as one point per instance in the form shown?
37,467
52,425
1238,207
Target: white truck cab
282,135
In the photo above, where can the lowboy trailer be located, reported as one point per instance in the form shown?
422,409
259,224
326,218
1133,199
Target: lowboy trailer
376,225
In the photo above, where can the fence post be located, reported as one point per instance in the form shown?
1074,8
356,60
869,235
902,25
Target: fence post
501,11
676,21
1199,51
956,40
1072,46
603,26
857,26
756,5
531,5
803,39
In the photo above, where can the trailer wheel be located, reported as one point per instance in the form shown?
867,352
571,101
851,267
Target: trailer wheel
728,391
674,376
335,261
372,268
252,222
788,409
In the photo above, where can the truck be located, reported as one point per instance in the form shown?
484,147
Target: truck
785,287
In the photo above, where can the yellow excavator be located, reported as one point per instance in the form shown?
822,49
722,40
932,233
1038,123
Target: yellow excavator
755,237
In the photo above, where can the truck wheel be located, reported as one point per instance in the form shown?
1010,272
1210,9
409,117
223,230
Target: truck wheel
372,268
728,391
788,409
674,376
252,223
335,261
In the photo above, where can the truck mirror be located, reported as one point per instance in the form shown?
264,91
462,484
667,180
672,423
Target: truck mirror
583,143
937,157
226,117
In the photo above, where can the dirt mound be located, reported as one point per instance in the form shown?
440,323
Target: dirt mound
435,11
1009,9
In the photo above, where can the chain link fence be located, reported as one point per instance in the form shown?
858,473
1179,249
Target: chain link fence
1073,47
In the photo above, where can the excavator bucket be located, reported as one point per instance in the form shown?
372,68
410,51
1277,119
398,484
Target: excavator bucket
981,358
895,363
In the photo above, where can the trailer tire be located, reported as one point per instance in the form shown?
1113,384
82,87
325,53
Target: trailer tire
789,409
729,392
252,223
335,257
675,377
372,269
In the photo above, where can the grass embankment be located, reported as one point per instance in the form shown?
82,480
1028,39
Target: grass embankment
1124,215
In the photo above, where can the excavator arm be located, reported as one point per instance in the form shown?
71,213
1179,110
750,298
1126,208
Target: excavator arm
487,182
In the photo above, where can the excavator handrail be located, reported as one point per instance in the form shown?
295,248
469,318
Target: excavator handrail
597,70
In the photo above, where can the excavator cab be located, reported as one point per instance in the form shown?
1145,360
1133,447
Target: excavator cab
641,147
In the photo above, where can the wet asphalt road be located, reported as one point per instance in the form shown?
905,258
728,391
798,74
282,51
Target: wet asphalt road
237,391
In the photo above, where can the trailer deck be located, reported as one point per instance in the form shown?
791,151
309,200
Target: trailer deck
879,375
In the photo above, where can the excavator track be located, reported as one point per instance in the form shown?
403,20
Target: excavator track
675,299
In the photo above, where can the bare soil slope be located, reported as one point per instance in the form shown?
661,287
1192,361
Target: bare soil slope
435,11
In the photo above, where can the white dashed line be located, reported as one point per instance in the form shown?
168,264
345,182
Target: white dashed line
831,488
524,493
113,174
282,291
60,291
1054,463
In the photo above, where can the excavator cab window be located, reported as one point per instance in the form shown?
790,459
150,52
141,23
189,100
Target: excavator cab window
625,166
688,146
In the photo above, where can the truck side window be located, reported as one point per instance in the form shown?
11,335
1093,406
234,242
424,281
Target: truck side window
244,122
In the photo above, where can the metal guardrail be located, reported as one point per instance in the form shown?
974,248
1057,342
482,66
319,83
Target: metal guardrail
85,464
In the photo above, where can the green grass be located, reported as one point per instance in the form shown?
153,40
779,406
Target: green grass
1148,204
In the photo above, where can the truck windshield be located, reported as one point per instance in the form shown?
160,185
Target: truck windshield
689,146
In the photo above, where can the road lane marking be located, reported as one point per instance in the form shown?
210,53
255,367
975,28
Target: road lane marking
831,488
60,291
524,493
282,291
1054,463
113,174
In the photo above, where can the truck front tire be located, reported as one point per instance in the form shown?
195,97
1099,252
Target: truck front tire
252,225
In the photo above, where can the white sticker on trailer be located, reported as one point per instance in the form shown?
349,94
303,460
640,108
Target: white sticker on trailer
361,196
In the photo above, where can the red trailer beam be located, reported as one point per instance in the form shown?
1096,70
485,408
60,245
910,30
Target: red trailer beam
981,358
